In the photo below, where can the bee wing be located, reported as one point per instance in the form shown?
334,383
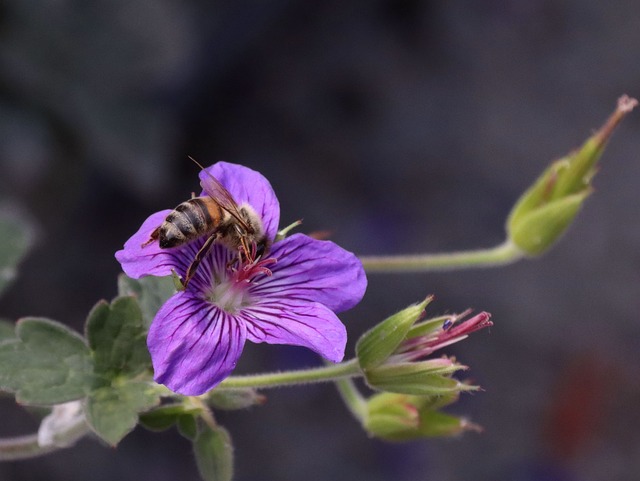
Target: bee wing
214,189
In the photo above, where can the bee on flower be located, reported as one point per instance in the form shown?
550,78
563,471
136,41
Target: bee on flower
288,293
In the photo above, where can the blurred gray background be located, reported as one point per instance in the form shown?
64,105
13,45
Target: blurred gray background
400,126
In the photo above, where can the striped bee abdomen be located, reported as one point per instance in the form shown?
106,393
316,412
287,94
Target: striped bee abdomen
190,220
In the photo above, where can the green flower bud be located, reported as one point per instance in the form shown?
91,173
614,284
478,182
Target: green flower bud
547,208
401,417
389,414
376,345
392,354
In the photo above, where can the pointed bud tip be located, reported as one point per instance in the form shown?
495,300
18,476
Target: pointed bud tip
626,104
467,425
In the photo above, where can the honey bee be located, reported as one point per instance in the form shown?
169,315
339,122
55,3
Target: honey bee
218,216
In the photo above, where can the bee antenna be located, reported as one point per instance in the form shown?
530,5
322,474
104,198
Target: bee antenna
196,162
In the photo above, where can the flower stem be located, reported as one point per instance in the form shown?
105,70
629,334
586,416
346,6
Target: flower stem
291,378
22,447
205,413
27,447
502,254
352,398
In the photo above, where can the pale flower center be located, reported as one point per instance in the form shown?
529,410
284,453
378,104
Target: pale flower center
229,295
230,292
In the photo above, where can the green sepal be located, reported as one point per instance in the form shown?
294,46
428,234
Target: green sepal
187,425
162,417
427,327
440,401
390,413
403,417
425,378
376,345
580,169
536,232
117,336
439,424
46,364
231,399
214,454
151,292
538,194
16,238
112,411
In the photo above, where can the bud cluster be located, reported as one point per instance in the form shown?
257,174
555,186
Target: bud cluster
394,358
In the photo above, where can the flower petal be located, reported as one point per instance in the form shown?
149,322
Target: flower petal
298,323
247,185
193,344
313,270
149,260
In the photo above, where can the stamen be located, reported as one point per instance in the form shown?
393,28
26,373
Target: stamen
251,267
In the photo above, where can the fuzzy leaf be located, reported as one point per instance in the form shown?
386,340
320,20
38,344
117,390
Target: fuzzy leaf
47,363
7,330
112,411
150,291
214,454
117,336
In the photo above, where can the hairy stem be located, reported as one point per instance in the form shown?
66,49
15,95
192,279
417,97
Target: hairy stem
352,398
292,378
505,253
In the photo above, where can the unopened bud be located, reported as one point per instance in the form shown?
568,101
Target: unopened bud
402,417
545,211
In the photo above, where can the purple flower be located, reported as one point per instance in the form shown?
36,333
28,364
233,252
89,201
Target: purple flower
288,297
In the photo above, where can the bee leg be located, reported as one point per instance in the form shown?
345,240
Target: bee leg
153,237
193,267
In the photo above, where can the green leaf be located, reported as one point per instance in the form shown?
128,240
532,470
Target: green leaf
214,454
7,330
151,292
47,363
112,411
536,232
16,238
117,336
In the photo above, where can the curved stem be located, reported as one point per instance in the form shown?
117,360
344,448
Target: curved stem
352,398
502,254
205,413
291,378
